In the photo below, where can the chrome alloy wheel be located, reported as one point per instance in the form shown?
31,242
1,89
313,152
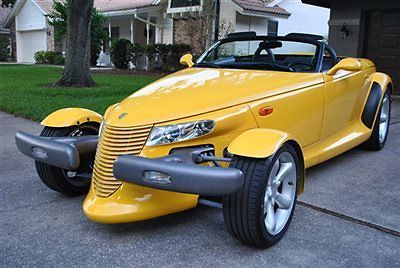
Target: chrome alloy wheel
280,193
384,118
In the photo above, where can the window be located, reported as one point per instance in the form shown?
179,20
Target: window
272,28
184,3
263,53
179,6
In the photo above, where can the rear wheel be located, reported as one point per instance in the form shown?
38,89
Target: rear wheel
260,213
68,182
381,127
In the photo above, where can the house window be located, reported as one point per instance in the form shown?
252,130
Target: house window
184,3
272,28
114,33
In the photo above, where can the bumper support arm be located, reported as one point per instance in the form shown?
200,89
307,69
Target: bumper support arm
62,152
178,173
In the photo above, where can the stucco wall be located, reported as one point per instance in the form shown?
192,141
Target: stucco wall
350,13
303,19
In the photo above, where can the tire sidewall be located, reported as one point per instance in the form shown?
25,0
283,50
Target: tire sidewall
382,144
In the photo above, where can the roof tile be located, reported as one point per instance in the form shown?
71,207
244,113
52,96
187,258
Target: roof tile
261,6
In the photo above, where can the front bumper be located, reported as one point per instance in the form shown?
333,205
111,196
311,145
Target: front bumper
179,172
62,152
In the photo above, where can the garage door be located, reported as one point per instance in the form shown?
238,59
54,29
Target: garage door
382,42
30,43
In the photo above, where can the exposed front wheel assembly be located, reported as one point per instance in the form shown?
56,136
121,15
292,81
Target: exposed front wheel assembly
260,213
76,182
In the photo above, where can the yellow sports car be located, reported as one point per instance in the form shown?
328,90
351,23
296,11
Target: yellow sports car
236,130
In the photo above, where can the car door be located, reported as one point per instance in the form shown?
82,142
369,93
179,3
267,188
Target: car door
343,97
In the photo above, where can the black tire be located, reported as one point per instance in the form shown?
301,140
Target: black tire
374,143
244,210
56,178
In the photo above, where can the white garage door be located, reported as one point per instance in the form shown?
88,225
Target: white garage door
30,43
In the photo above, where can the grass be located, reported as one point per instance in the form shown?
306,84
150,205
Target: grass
25,90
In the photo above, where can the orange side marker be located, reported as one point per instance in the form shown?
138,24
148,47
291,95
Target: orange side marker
265,111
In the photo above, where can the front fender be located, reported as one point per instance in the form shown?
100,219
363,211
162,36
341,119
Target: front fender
71,117
259,142
263,143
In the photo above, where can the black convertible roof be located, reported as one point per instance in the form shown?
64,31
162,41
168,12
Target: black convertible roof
253,35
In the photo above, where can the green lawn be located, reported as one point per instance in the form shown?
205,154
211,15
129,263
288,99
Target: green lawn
25,90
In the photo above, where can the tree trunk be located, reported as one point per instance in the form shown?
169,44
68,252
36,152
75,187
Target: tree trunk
77,60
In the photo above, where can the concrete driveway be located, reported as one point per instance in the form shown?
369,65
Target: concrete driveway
349,216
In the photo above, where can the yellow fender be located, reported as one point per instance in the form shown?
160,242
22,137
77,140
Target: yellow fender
71,117
382,79
263,143
380,82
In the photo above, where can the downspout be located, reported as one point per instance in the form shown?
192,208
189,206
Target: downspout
217,19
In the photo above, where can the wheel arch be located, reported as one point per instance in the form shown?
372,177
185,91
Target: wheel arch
263,143
380,83
71,117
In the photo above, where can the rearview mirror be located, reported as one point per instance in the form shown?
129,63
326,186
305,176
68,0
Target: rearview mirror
187,60
348,64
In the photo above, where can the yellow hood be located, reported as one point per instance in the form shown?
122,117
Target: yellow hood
200,90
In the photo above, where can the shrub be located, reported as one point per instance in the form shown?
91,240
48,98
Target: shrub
49,57
4,48
59,59
39,57
121,53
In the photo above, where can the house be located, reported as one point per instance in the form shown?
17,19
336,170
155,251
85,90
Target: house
369,29
170,21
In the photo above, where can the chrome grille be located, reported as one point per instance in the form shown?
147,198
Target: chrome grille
114,142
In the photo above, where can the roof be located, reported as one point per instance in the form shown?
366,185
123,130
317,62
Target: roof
250,7
116,5
321,3
262,6
103,5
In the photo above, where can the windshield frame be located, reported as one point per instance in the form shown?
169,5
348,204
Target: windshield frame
319,52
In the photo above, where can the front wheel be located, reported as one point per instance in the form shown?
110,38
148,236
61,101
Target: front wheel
68,182
260,213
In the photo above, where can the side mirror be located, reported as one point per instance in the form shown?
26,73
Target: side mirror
187,60
348,64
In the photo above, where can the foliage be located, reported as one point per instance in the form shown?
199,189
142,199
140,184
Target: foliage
39,57
121,53
24,90
49,57
58,19
4,48
7,3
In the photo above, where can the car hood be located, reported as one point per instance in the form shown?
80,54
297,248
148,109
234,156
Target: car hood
200,90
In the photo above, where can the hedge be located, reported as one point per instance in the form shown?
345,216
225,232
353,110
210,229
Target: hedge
159,56
49,57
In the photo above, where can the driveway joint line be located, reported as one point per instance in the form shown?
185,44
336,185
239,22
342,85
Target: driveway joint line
350,219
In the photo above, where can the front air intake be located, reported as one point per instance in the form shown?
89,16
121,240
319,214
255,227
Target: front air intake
114,142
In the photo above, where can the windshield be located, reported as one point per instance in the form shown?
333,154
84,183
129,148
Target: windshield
261,54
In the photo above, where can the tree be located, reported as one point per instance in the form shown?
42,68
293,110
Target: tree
77,61
58,19
7,3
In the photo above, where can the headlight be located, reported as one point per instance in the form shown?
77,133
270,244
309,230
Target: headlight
180,132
